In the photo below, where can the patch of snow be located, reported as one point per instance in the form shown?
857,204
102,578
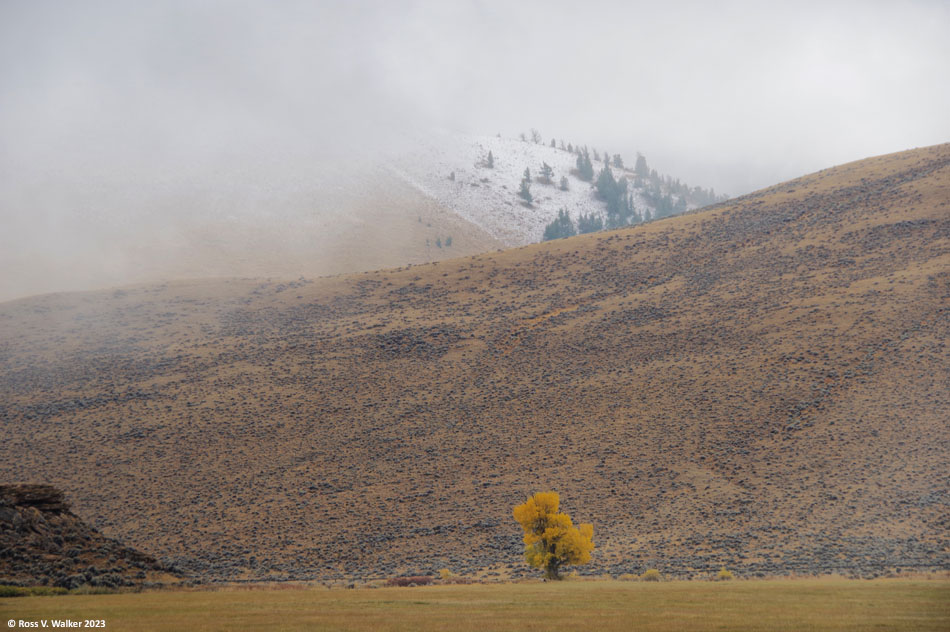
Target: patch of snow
452,169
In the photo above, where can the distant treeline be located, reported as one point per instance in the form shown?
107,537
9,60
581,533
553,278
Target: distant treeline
662,194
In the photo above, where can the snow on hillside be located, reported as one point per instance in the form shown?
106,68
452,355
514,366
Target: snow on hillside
488,197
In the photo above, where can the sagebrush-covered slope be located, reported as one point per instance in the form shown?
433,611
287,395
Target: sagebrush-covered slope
763,385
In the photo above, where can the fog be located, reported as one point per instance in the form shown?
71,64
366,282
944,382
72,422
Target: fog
137,113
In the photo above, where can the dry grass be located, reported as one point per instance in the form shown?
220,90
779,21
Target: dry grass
760,386
601,605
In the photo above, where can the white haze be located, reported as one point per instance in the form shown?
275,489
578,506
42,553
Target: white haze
142,114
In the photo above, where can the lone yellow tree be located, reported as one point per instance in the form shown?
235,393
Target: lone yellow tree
551,540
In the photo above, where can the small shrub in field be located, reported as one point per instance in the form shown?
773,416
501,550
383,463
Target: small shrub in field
86,589
42,591
724,575
445,574
419,580
651,575
46,591
627,577
13,591
375,583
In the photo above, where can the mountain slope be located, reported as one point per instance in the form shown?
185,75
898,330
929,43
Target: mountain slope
762,385
452,169
311,218
286,216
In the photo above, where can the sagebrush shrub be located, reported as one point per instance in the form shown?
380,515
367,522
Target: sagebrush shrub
724,575
418,580
651,575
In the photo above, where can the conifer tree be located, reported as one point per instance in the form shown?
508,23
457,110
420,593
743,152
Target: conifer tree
614,192
585,169
525,191
589,223
641,168
546,172
563,226
606,184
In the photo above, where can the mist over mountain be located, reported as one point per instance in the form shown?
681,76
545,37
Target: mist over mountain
416,199
126,121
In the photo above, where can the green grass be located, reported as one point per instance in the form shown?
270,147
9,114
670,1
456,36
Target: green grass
823,604
17,591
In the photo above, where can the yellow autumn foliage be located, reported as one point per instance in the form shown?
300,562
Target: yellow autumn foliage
550,537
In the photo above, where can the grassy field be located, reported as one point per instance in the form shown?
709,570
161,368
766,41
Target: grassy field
823,604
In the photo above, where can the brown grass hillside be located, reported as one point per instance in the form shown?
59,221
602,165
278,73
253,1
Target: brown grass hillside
763,385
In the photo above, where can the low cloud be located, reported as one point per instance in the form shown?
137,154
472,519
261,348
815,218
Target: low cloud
104,101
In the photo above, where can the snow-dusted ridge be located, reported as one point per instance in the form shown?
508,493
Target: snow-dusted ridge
452,169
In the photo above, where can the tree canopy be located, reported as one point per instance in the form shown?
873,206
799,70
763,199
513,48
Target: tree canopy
546,172
614,192
550,537
585,169
525,191
589,223
561,227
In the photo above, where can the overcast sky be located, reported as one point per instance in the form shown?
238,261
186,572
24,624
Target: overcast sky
731,95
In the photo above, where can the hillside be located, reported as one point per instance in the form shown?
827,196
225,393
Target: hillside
764,385
42,541
452,170
286,216
312,218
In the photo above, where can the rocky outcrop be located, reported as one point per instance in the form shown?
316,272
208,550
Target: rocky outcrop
43,542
